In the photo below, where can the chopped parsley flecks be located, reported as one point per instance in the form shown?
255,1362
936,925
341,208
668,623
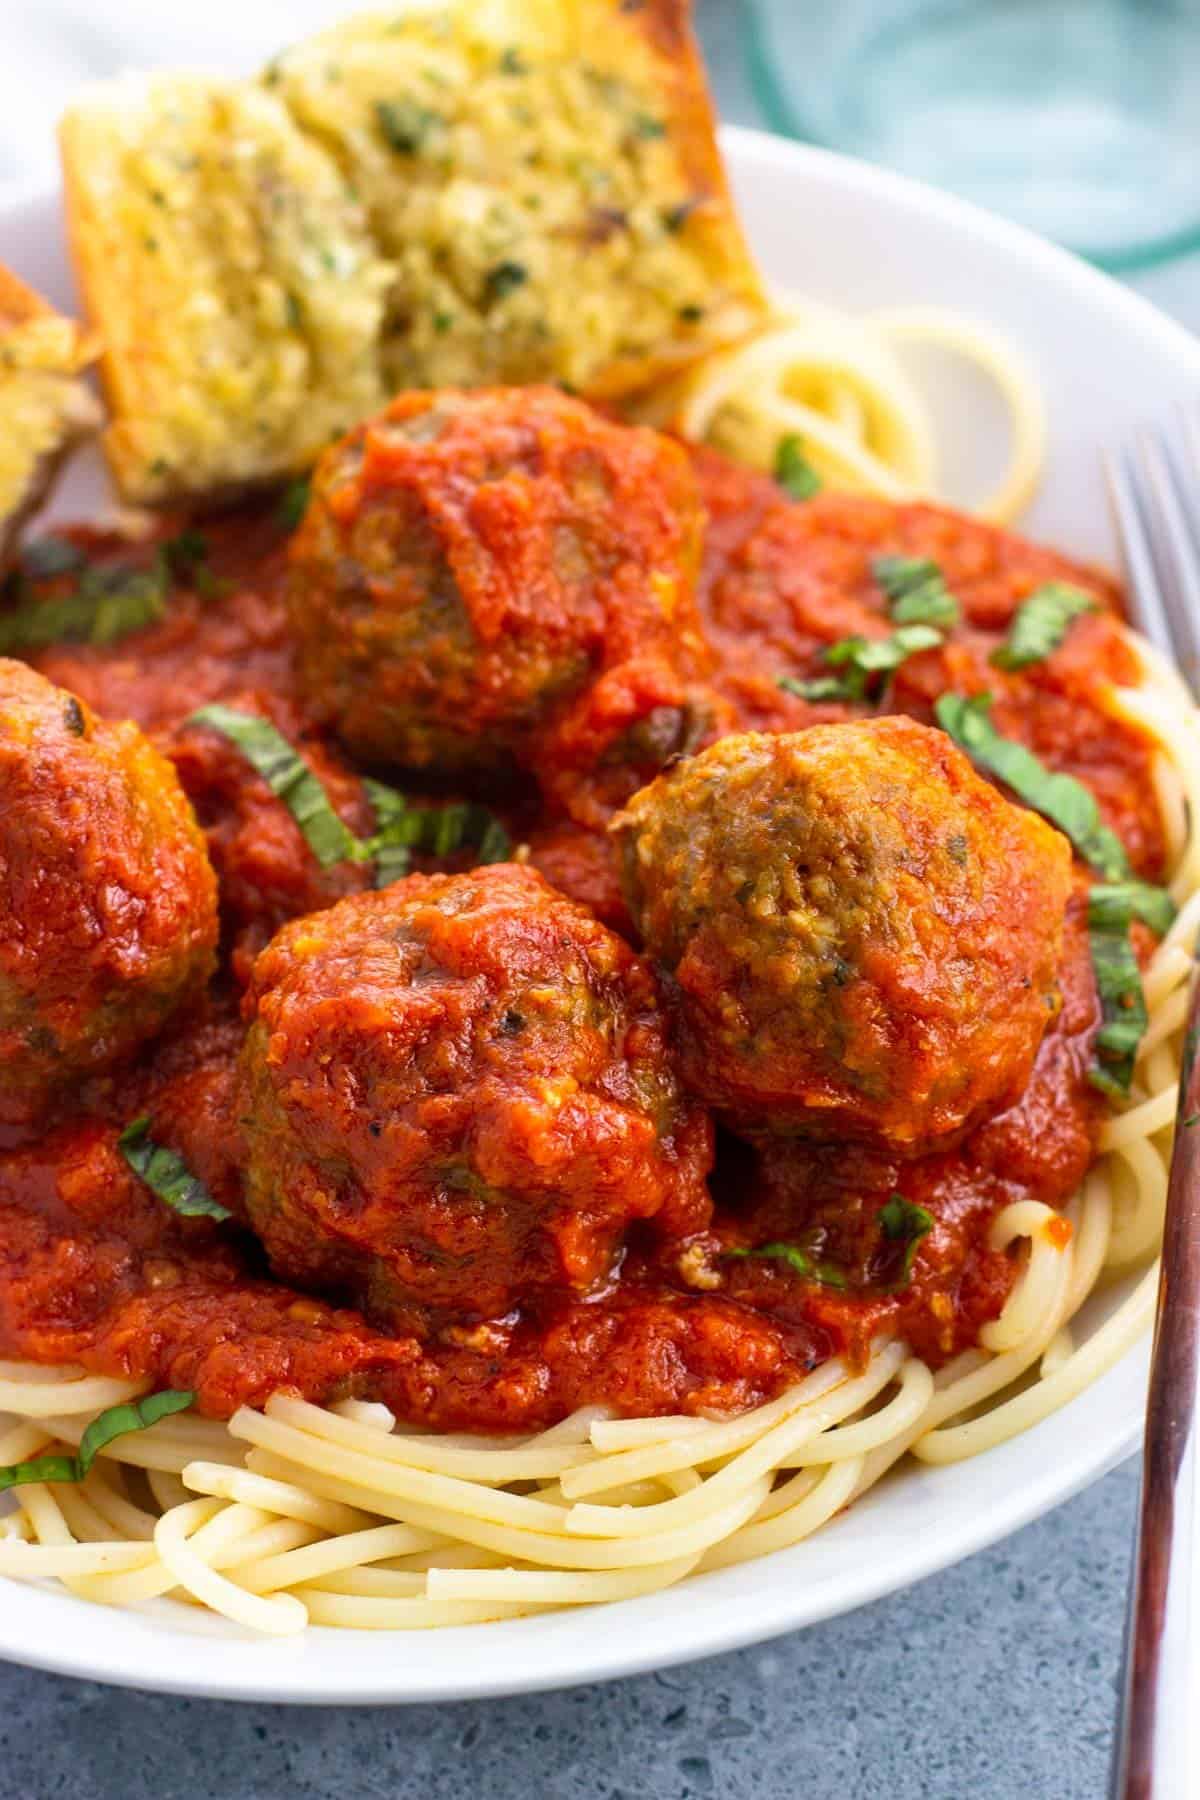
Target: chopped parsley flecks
503,279
406,125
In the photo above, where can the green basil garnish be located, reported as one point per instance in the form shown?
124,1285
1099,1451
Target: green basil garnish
793,471
437,830
868,656
1123,1011
1059,798
916,591
131,1415
46,557
902,1222
827,1274
167,1174
288,775
187,559
292,503
1113,906
187,548
861,658
1041,623
106,606
399,828
819,687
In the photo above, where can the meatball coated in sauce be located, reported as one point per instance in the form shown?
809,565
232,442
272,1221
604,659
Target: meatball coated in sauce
471,563
457,1096
862,935
108,916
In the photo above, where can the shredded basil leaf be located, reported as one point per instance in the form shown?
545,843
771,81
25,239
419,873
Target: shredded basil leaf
1059,798
861,658
186,549
902,1222
1041,624
436,830
916,591
293,503
131,1415
1123,1010
828,1274
187,559
819,687
399,828
46,557
107,605
793,471
1112,907
167,1174
288,775
868,656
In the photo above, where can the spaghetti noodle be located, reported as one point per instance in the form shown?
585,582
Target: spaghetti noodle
840,385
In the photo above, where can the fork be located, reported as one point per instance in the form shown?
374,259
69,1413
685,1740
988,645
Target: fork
1154,487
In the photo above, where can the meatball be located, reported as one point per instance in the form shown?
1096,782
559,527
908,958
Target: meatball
470,562
108,904
861,934
456,1095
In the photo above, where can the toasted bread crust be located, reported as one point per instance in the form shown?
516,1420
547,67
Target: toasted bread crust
526,191
232,275
44,409
545,175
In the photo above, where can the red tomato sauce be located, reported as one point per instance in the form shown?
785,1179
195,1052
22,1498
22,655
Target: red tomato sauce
95,1270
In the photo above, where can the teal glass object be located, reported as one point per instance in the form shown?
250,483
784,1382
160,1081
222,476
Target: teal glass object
1079,118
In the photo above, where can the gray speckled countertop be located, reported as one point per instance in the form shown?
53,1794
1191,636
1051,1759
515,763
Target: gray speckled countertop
996,1679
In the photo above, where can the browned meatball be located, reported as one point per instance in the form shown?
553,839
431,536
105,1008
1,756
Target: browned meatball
862,935
456,1096
108,917
471,562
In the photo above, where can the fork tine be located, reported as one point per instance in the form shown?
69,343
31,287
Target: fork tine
1191,434
1146,610
1178,558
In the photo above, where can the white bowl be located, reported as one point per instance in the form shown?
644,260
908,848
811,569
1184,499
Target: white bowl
860,238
